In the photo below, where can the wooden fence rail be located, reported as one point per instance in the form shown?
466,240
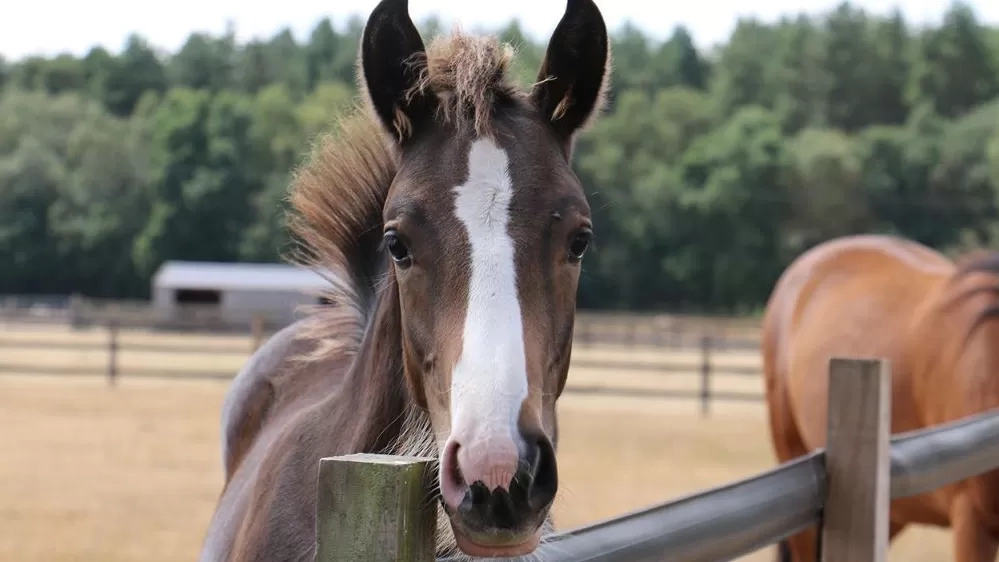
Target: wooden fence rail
629,329
708,365
842,492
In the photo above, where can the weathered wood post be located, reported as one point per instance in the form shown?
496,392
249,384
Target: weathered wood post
705,375
256,332
112,352
375,507
858,461
581,331
631,332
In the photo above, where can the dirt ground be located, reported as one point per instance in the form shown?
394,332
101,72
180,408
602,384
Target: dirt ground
94,474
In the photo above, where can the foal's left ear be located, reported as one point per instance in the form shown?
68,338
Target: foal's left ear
574,73
391,51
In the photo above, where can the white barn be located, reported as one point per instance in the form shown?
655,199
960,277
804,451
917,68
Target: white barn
232,293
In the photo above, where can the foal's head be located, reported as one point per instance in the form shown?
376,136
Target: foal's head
486,224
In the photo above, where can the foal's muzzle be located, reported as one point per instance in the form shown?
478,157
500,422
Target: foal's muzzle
513,514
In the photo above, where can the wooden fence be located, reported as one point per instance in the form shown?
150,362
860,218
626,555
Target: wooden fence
662,330
109,348
373,507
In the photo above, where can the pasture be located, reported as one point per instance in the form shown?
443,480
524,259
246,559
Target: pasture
93,473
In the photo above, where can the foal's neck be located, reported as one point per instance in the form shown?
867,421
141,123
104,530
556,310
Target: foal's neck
378,392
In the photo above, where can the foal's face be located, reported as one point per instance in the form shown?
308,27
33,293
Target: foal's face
487,243
487,237
486,234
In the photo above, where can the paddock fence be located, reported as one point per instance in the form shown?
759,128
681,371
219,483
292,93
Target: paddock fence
627,329
373,507
614,354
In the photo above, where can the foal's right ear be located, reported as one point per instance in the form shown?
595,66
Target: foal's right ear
392,53
574,73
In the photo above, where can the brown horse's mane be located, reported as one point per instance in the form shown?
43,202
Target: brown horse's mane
984,261
979,261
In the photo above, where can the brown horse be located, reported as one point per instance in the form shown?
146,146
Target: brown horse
879,296
453,225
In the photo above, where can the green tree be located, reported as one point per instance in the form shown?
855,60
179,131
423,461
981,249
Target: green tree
847,58
955,68
742,73
205,63
136,71
892,47
728,250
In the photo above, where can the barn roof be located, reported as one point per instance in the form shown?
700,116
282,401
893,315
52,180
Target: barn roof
236,276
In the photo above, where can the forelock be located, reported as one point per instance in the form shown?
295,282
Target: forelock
468,74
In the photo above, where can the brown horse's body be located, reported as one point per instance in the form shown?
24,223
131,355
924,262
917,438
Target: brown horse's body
879,296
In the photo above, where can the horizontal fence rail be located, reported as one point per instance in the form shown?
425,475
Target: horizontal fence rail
741,517
719,524
592,326
922,461
704,371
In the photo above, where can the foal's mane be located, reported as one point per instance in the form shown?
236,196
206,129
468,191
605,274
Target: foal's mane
337,194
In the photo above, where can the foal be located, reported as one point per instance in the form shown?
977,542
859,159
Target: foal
447,212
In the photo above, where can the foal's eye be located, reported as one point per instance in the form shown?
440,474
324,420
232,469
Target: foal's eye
578,244
397,248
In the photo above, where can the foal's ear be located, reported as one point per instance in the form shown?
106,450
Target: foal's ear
574,72
392,53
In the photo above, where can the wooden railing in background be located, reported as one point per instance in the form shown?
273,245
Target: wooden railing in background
660,338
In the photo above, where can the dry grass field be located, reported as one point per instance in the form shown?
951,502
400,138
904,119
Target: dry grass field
90,473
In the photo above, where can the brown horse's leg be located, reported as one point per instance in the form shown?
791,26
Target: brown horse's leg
783,552
973,542
894,529
807,542
803,546
788,445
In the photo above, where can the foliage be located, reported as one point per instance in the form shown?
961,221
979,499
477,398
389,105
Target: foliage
708,173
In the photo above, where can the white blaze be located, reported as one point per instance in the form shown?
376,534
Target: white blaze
489,381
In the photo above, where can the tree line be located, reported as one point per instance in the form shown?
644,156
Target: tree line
708,173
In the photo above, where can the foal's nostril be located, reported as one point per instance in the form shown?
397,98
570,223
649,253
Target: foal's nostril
451,480
543,474
536,482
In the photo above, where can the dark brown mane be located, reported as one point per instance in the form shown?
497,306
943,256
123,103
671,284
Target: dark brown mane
336,201
984,262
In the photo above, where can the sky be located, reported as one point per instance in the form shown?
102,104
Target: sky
74,26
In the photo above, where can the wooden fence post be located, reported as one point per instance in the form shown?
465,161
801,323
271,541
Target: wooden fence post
256,332
579,334
705,375
858,461
375,507
112,352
